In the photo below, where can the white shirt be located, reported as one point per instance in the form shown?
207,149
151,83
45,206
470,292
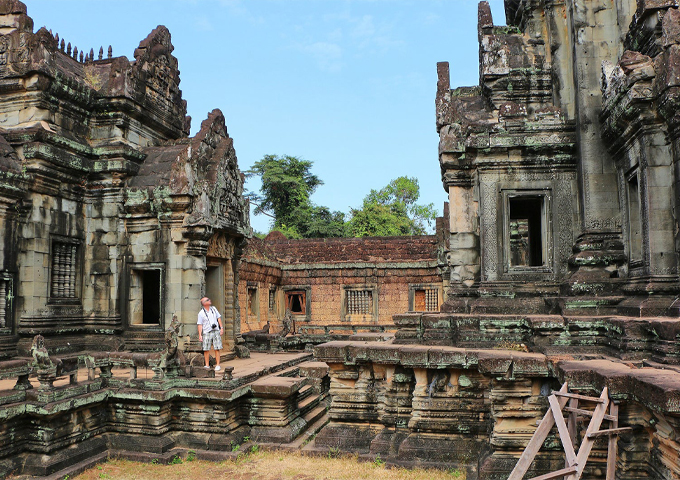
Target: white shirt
209,318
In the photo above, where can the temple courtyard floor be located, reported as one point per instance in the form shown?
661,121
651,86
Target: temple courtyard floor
265,465
258,365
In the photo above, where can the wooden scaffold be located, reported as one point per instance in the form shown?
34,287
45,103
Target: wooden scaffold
575,462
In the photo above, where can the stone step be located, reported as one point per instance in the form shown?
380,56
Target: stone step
305,391
73,470
309,402
314,415
306,438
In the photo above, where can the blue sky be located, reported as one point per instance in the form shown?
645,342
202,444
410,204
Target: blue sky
347,84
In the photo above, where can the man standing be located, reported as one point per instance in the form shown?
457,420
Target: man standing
210,331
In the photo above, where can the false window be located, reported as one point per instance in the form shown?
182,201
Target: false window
272,300
359,302
4,288
426,300
63,275
252,301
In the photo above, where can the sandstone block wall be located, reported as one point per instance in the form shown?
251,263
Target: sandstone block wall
108,174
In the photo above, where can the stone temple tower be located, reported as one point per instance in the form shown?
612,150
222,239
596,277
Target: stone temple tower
560,165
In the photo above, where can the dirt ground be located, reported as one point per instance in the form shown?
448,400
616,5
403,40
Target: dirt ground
261,465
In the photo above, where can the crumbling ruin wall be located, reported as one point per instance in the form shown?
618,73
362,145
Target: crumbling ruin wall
639,114
66,423
570,138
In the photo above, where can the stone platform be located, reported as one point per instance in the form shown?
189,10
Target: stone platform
55,422
476,409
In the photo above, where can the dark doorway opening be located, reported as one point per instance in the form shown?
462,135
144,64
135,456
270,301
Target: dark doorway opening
151,297
526,232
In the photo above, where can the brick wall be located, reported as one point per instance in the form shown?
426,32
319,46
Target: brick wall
387,266
368,249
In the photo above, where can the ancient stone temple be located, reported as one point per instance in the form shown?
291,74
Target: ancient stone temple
111,216
561,170
556,266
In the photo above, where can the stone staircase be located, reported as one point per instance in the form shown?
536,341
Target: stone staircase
284,406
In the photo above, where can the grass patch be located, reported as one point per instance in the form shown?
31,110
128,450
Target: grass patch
267,465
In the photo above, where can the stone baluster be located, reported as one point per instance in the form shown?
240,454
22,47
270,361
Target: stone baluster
105,372
55,270
72,274
23,382
62,271
3,302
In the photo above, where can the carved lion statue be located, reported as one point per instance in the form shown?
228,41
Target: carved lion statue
287,323
41,359
172,352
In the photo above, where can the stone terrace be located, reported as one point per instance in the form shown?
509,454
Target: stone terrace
63,416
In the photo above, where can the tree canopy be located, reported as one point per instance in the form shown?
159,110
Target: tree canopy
288,183
392,210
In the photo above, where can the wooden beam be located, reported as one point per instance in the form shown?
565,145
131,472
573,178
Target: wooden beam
563,430
557,474
586,413
611,431
536,441
587,443
613,444
571,423
576,395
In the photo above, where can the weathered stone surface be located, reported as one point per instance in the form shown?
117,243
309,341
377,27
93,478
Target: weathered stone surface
111,412
108,175
477,409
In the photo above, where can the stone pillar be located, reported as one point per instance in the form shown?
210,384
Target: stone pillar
595,37
239,344
463,255
463,258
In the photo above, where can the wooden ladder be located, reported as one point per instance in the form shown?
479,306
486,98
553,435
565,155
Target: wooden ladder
575,462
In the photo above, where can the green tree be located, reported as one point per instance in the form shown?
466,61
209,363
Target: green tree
392,210
287,185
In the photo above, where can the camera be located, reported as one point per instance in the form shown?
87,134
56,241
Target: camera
214,326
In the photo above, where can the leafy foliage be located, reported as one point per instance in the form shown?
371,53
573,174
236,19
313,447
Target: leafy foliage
392,210
287,185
